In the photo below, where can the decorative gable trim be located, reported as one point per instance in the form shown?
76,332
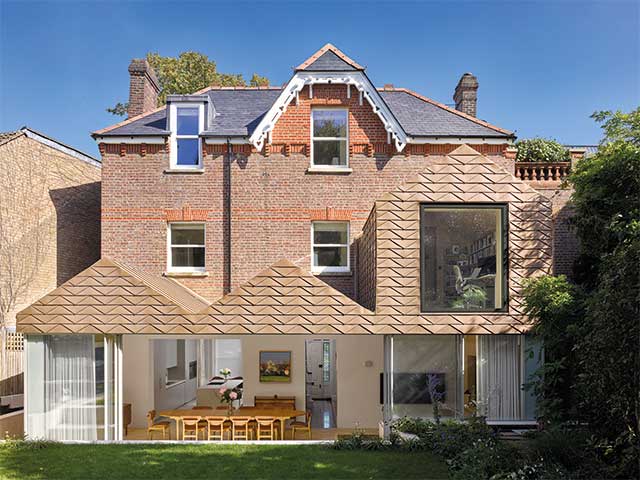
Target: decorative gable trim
356,79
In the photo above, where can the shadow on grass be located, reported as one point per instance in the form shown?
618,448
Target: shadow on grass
213,461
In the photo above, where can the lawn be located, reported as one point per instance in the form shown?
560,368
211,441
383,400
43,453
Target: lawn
56,461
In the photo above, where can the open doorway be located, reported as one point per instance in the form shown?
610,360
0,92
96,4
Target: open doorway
320,386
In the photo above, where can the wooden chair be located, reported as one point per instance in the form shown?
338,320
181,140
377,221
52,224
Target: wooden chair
306,425
153,426
202,426
216,428
240,428
190,427
266,428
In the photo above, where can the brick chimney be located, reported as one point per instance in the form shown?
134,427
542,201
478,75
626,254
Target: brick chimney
466,94
143,87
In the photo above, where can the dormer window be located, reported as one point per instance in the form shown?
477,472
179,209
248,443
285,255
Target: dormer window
187,121
329,138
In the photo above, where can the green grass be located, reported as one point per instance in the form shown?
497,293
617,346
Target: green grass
137,461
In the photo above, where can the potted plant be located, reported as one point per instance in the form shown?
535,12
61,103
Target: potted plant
230,395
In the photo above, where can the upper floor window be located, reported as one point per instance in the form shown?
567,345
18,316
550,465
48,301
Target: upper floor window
330,247
329,138
186,247
187,121
463,255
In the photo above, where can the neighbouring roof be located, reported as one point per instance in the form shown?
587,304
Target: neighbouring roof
588,149
6,137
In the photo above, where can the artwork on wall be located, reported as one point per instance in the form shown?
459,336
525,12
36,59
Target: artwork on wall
275,366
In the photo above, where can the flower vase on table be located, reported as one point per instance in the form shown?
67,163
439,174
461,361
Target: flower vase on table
228,396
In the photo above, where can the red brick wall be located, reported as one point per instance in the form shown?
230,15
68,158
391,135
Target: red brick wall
565,242
274,198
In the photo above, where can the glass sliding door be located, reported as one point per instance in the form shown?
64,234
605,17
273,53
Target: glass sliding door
465,375
424,374
71,388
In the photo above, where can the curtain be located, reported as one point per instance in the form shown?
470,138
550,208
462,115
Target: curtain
61,399
205,361
499,382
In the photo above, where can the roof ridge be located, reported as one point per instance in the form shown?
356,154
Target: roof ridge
447,108
144,277
329,47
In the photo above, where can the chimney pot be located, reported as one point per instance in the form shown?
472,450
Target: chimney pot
388,86
143,87
466,94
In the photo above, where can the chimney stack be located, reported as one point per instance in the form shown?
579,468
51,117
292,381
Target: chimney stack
143,87
466,94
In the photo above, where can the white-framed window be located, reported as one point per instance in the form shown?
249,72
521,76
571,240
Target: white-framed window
186,121
186,247
330,247
330,138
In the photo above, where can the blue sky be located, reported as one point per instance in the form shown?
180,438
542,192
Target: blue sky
543,67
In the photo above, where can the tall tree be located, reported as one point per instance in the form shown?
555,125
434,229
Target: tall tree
188,73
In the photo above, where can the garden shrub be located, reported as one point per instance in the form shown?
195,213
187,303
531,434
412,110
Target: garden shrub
541,150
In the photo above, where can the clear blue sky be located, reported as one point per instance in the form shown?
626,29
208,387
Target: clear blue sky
543,67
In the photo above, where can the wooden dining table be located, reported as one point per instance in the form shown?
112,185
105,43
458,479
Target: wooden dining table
280,414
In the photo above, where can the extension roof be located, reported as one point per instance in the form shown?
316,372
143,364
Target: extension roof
239,110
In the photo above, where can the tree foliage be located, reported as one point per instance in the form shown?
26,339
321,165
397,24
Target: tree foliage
187,73
592,330
541,150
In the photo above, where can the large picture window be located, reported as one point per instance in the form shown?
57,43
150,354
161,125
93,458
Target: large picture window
330,247
463,258
329,138
186,247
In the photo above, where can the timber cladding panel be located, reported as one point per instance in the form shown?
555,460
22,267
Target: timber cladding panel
462,177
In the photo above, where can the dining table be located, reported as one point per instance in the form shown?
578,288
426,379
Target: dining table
280,414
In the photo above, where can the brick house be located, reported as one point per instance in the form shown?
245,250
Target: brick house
357,251
49,232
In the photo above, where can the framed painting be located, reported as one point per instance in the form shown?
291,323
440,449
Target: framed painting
275,366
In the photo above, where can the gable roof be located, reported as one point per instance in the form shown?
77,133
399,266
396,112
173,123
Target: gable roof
239,111
108,297
7,137
329,59
287,299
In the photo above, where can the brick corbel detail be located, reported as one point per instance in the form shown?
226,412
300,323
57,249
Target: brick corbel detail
123,149
186,214
330,214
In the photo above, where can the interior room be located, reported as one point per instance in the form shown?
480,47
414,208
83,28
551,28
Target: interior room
336,378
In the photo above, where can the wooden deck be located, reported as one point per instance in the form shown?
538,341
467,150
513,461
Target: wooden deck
316,434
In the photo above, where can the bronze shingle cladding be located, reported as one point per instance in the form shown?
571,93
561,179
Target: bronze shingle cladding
285,299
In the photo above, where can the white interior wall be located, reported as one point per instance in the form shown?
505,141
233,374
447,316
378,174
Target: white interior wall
359,361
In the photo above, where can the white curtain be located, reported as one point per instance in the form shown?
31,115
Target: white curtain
61,402
499,382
